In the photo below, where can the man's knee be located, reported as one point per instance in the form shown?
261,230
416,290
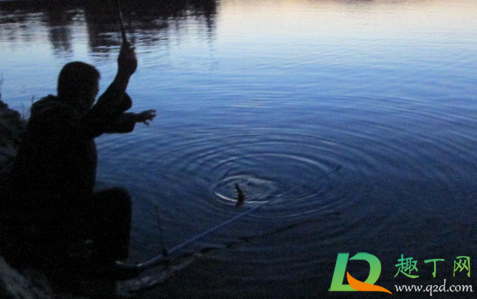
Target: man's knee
122,197
116,198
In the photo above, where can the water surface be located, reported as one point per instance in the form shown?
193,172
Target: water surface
271,95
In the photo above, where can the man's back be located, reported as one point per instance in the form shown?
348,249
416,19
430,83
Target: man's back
55,168
53,177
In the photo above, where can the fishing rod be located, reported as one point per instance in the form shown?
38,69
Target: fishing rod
156,260
121,20
161,234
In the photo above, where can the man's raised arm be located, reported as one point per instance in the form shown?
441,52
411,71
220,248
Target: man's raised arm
114,97
114,101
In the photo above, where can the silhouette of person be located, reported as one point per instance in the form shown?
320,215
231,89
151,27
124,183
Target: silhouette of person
53,206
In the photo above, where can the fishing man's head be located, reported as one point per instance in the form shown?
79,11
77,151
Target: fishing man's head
78,85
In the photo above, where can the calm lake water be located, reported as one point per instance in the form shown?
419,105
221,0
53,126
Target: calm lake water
271,95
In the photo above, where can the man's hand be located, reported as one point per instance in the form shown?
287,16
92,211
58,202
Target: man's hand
127,62
145,116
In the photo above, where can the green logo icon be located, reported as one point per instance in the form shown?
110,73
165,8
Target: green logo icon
354,284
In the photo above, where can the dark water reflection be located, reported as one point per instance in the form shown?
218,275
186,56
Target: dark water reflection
20,20
271,94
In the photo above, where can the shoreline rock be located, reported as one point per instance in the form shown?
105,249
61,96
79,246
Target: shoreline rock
12,127
16,283
29,284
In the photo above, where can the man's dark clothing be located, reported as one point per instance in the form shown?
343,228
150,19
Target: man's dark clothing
111,224
54,173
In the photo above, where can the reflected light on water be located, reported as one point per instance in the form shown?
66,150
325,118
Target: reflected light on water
269,95
359,19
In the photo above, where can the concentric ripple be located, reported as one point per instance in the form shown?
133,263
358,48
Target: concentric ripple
390,158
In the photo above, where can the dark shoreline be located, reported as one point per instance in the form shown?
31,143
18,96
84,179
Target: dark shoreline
22,282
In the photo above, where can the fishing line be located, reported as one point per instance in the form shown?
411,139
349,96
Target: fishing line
181,261
152,262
